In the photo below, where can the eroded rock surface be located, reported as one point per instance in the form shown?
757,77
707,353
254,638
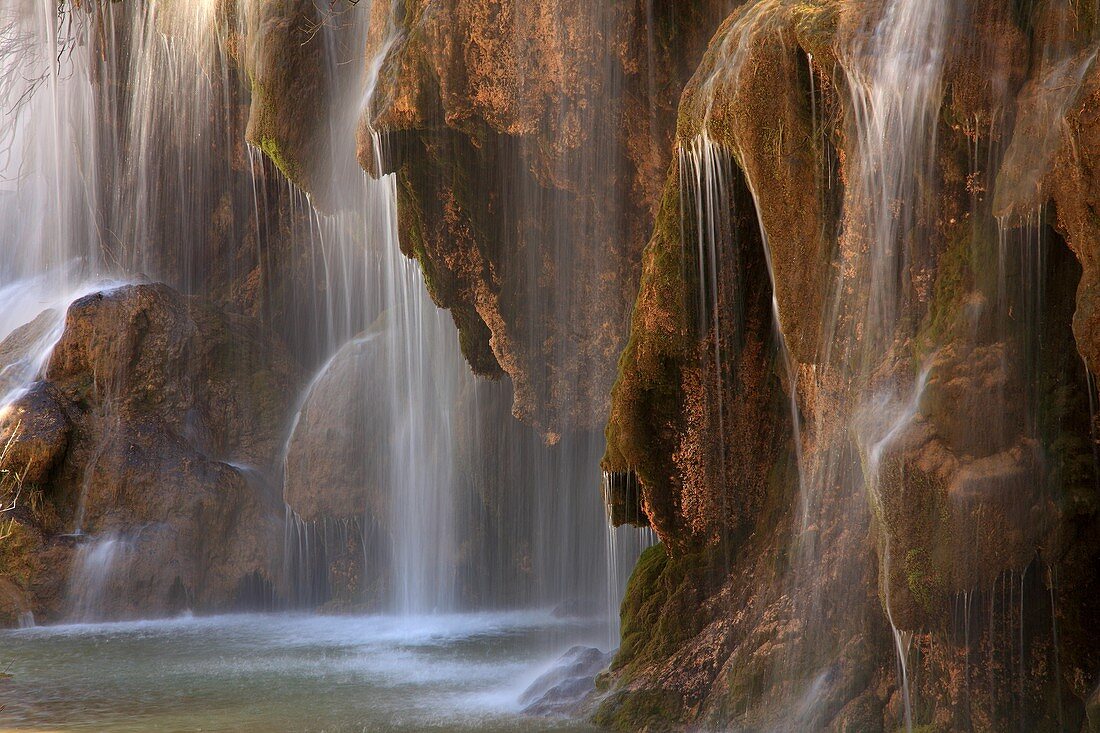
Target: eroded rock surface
942,473
154,425
530,141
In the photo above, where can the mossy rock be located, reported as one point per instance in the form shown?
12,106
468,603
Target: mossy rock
653,711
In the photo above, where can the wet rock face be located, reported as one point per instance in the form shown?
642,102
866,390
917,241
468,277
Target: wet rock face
292,55
154,425
697,412
329,474
530,141
562,690
947,466
283,56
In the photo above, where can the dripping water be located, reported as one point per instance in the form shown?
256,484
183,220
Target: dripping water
96,565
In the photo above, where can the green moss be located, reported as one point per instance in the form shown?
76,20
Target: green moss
1063,414
442,285
647,397
650,710
260,133
410,220
662,607
289,167
966,253
640,591
920,541
920,578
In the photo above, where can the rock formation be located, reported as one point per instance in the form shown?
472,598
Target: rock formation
950,438
827,270
518,131
156,422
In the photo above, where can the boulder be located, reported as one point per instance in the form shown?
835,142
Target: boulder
34,436
155,416
562,690
329,474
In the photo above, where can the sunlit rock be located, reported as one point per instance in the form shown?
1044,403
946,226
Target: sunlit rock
150,402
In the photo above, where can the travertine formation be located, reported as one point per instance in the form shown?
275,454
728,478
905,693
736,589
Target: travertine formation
156,421
974,498
520,131
855,407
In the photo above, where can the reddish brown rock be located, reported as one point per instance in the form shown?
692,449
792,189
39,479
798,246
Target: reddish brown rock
35,435
156,423
936,506
530,141
1073,182
329,472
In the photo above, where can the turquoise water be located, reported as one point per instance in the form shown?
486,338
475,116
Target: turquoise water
273,673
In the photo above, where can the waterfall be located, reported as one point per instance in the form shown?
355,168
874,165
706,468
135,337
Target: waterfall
441,420
167,137
896,103
127,161
426,371
48,183
95,567
423,367
894,74
48,171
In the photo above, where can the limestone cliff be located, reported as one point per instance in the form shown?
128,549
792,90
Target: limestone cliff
830,279
949,437
530,141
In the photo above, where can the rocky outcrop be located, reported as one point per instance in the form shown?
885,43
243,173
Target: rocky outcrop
561,690
292,55
945,469
154,425
530,142
1072,186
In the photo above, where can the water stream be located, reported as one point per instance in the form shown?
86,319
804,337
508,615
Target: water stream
117,179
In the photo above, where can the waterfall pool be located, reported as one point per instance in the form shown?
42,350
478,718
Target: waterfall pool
281,672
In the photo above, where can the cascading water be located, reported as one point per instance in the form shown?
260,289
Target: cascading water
862,372
426,371
48,182
145,175
440,421
854,414
97,563
413,347
896,92
894,74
